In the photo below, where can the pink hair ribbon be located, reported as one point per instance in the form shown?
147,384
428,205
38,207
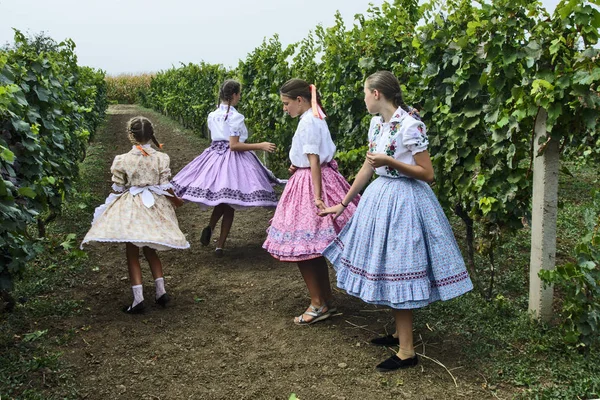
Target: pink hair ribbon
316,108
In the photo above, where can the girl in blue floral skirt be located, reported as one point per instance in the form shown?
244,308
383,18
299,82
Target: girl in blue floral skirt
398,248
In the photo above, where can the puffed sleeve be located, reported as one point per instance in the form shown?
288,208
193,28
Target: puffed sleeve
119,176
236,125
414,136
309,135
165,172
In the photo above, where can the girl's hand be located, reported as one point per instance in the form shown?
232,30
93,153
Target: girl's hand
292,169
268,147
337,210
377,160
176,201
320,204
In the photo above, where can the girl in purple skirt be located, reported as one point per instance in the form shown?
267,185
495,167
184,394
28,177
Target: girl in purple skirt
227,175
297,233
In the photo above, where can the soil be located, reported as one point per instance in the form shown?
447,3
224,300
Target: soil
228,332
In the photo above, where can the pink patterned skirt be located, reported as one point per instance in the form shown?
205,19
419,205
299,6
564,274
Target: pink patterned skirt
297,233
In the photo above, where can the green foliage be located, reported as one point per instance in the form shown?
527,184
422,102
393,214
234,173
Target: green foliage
186,94
48,108
263,72
579,283
469,63
380,40
351,157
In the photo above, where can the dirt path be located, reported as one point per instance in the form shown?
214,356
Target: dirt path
228,333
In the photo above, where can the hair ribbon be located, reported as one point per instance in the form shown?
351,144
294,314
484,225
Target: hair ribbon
316,108
144,152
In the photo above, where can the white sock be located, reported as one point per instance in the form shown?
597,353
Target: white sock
138,295
160,287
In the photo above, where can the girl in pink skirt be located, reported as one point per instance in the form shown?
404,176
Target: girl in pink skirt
297,233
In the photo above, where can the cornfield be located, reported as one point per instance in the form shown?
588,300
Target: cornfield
127,88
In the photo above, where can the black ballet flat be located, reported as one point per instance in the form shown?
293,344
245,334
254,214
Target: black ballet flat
394,362
163,300
388,340
137,309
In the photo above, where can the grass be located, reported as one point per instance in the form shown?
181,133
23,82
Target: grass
498,338
31,365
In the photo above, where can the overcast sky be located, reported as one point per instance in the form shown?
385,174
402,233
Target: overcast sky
133,36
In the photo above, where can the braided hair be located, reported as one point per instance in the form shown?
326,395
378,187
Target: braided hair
226,92
140,131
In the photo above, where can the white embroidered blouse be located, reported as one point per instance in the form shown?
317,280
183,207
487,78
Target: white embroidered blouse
312,137
221,129
401,138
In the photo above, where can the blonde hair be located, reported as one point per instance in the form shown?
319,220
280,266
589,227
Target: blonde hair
140,131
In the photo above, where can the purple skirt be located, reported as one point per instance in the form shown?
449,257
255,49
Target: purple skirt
219,175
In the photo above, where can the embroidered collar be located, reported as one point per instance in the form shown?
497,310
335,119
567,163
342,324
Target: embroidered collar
397,117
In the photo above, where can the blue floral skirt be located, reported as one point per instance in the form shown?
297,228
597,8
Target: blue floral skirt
398,248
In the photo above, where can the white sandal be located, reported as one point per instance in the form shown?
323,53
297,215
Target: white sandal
317,313
332,308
